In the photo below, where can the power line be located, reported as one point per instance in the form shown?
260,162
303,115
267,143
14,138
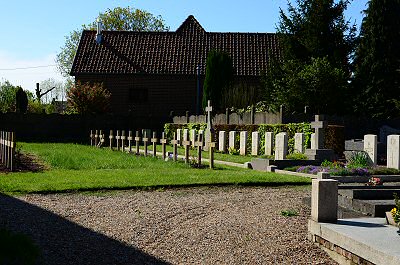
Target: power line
28,67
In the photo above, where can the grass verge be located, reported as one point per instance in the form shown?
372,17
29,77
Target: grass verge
82,168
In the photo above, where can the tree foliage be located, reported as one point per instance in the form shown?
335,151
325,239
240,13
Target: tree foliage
317,44
219,78
21,101
86,98
119,18
7,96
377,61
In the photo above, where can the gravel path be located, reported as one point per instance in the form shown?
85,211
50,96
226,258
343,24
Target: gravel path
224,225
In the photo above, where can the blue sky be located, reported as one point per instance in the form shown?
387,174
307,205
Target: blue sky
33,31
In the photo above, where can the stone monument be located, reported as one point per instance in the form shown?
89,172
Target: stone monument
319,153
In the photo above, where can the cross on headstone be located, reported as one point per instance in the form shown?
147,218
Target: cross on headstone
137,142
209,110
163,142
111,137
123,141
154,140
145,141
130,138
118,137
319,125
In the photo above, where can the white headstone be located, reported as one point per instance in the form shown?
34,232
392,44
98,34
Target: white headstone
232,139
243,142
313,141
179,136
281,146
269,143
207,138
255,143
222,141
299,143
185,135
201,132
371,147
393,151
193,136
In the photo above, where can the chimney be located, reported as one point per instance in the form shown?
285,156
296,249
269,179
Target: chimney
99,37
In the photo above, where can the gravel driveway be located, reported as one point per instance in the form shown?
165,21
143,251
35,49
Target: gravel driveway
220,225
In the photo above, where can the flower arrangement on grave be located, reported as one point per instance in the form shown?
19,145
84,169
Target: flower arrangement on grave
396,210
374,181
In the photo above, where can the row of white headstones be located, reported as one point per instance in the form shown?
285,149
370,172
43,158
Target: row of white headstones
281,144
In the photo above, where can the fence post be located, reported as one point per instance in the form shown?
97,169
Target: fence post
12,150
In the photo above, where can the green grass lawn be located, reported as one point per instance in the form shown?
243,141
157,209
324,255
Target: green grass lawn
78,168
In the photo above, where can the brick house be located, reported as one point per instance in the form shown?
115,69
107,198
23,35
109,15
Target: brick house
153,73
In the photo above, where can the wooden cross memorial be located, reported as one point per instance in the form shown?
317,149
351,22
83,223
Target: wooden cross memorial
118,137
163,142
111,137
175,148
130,138
137,142
154,140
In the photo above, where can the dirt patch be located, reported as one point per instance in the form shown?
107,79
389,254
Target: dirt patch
26,163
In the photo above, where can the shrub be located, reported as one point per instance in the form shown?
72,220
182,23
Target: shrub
85,98
359,159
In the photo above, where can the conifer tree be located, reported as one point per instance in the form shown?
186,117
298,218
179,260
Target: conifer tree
377,61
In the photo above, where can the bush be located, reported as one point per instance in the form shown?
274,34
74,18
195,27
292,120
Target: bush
86,98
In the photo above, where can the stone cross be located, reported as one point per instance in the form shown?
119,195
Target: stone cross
137,142
175,148
163,142
111,137
371,147
319,125
154,140
313,141
269,143
209,110
130,138
393,151
281,146
118,137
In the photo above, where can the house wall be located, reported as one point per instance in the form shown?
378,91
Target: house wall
154,95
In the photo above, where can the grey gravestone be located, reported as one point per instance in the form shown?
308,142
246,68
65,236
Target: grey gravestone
393,151
222,141
232,139
234,118
269,143
255,143
371,147
281,146
243,142
299,142
319,126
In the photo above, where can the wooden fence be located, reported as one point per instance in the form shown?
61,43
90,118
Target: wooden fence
7,149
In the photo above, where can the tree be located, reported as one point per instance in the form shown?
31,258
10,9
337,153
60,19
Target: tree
86,98
377,61
7,96
219,78
317,43
21,101
119,18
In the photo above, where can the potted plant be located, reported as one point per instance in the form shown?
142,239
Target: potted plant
393,216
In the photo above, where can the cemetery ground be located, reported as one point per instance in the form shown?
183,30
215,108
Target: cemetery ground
74,210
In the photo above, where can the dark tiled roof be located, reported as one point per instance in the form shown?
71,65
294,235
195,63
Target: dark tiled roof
179,52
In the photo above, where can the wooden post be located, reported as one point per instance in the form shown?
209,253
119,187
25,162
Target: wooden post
137,142
91,137
1,147
130,141
96,138
12,150
175,147
123,141
154,141
118,137
211,156
199,145
163,142
111,137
